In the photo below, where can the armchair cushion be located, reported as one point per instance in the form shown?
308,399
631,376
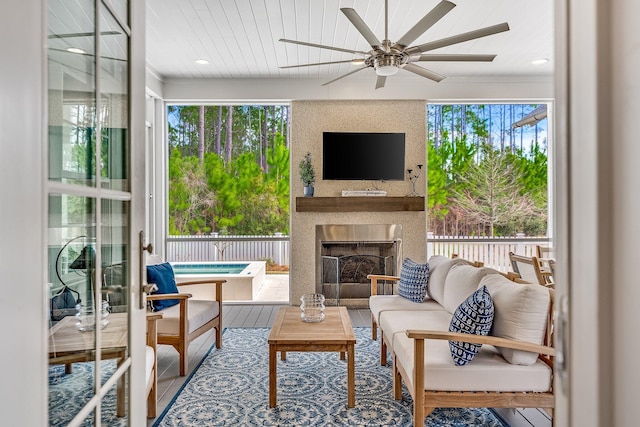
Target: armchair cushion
162,275
200,312
413,280
473,316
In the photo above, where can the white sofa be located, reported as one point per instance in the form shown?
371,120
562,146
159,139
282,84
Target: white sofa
514,367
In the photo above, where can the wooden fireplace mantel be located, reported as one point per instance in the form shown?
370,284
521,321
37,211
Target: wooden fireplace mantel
359,204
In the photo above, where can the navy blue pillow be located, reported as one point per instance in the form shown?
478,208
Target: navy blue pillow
473,316
413,280
162,275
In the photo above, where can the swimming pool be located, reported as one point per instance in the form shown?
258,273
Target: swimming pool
208,268
244,278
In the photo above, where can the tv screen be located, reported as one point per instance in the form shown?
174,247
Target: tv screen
363,156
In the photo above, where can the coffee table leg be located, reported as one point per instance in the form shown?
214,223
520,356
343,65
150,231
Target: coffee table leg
273,366
351,377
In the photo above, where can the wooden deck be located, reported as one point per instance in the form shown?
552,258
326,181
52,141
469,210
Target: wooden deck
262,316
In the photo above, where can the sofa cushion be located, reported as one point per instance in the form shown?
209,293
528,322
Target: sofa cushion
462,281
473,316
162,275
438,275
413,280
488,372
521,312
199,313
396,323
381,303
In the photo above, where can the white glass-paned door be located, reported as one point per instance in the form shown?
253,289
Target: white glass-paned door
93,341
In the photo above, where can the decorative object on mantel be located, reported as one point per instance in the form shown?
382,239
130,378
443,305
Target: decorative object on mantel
307,174
413,177
312,308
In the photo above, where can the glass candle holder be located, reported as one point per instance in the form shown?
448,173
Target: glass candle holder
86,320
312,308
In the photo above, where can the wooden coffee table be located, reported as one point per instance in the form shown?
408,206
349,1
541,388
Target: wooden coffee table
67,345
290,333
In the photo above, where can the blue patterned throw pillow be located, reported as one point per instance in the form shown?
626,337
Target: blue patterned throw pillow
473,316
413,280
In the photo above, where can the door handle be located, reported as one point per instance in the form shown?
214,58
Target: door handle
144,287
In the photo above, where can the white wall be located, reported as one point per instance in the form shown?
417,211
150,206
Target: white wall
357,88
23,389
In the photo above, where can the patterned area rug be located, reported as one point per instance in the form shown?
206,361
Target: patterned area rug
231,388
69,392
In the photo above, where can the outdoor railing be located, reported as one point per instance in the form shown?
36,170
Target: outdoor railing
492,251
214,247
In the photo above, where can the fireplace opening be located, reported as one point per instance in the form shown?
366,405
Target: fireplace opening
347,254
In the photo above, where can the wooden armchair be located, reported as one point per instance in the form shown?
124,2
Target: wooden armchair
529,269
186,321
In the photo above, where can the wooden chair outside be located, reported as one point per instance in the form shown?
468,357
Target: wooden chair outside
546,258
186,321
529,269
545,252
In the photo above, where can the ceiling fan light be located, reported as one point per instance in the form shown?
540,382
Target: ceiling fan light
386,70
386,65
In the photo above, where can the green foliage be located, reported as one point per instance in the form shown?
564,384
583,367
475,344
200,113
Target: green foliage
476,188
246,193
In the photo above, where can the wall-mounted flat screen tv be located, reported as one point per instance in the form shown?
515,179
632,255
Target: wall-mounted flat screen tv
363,156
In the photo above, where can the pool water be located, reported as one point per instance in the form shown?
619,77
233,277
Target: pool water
209,268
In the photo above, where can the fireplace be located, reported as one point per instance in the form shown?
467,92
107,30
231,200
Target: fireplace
347,253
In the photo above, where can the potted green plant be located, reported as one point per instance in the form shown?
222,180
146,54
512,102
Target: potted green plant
307,175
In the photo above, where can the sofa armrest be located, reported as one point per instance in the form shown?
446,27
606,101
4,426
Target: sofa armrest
481,339
374,281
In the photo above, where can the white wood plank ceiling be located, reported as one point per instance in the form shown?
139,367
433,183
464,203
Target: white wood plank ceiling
239,38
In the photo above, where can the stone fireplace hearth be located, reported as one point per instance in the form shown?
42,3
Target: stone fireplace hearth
347,253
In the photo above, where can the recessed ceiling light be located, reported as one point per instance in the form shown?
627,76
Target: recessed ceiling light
540,61
76,50
201,61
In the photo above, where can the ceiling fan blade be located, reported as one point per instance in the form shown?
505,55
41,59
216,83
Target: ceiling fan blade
345,75
361,26
321,46
380,81
423,72
471,35
427,22
317,63
454,57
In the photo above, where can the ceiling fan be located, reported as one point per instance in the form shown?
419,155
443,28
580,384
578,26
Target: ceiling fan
387,57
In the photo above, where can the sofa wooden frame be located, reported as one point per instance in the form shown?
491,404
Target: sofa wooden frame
425,401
